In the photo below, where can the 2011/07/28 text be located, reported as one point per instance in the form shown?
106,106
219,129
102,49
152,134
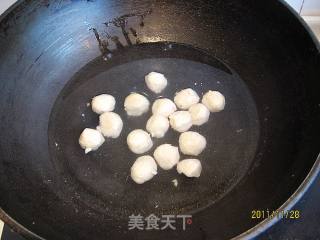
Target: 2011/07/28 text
262,214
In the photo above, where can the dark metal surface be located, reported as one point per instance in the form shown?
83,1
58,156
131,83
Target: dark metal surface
45,44
103,177
304,228
307,226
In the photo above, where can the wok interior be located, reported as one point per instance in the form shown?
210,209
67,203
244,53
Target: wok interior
105,174
268,72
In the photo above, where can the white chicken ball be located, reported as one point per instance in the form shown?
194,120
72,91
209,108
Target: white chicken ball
185,98
192,143
110,124
143,169
164,107
167,156
199,114
136,104
156,82
180,121
103,103
139,141
214,101
190,167
157,126
90,140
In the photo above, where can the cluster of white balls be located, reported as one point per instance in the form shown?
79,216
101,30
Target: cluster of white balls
110,123
165,113
184,111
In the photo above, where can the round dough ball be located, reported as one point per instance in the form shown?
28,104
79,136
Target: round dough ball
181,121
214,101
139,141
136,104
157,126
199,114
90,140
103,103
164,107
190,167
185,98
167,156
192,143
156,82
110,124
143,169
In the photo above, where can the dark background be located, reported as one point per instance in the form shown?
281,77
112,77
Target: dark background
275,186
307,227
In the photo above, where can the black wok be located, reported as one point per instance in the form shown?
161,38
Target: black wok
262,149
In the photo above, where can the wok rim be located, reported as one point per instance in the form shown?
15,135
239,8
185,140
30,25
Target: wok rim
285,207
251,233
267,223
